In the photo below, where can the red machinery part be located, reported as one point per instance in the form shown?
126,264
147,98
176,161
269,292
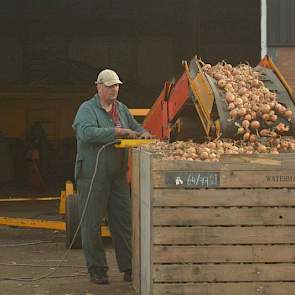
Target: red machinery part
167,107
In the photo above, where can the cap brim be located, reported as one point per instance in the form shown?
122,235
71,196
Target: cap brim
112,82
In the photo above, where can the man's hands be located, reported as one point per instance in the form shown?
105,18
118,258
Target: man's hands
128,133
145,135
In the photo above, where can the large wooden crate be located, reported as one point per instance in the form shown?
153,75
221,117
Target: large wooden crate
225,228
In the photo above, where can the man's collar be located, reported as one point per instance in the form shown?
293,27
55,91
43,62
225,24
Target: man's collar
97,101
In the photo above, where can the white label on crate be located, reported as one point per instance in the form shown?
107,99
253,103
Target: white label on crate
193,179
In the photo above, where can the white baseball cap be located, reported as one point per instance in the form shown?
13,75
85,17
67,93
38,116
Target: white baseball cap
108,78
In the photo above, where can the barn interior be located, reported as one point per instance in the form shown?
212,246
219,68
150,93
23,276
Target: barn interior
51,52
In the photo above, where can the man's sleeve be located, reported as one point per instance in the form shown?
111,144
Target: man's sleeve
87,128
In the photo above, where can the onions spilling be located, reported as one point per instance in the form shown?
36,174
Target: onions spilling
261,120
251,105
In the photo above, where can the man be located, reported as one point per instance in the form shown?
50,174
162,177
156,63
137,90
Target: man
101,120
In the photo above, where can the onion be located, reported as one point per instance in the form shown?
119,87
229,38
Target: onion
236,72
288,114
204,155
246,136
242,84
254,97
246,124
281,110
238,101
255,124
242,91
231,106
264,90
265,117
233,113
211,145
253,115
206,67
212,156
273,118
261,148
241,130
242,112
218,76
254,83
221,83
229,97
274,151
253,138
248,117
229,67
265,109
282,127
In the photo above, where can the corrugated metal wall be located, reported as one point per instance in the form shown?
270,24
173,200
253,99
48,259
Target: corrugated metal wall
281,22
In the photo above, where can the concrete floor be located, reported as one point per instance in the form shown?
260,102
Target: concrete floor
32,253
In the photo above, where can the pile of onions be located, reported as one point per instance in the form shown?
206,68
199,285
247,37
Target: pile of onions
212,151
260,119
252,106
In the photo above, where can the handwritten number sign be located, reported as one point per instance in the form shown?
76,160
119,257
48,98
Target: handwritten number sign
193,179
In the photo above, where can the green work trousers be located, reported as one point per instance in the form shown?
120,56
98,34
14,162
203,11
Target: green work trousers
110,196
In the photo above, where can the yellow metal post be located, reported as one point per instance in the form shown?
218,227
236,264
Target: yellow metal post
62,203
34,223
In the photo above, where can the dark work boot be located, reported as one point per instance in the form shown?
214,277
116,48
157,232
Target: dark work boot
99,278
128,275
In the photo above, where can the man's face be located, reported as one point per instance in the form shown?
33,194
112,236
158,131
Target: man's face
108,93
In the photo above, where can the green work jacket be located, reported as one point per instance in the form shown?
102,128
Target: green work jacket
94,127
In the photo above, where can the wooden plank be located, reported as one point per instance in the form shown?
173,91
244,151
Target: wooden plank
170,273
225,254
135,199
223,197
231,179
258,179
223,216
200,235
145,225
249,288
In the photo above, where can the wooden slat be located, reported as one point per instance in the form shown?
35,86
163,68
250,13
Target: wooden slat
241,179
223,197
225,254
251,288
223,272
224,235
135,189
257,179
223,216
145,225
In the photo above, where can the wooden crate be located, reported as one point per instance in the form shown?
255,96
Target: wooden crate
214,228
